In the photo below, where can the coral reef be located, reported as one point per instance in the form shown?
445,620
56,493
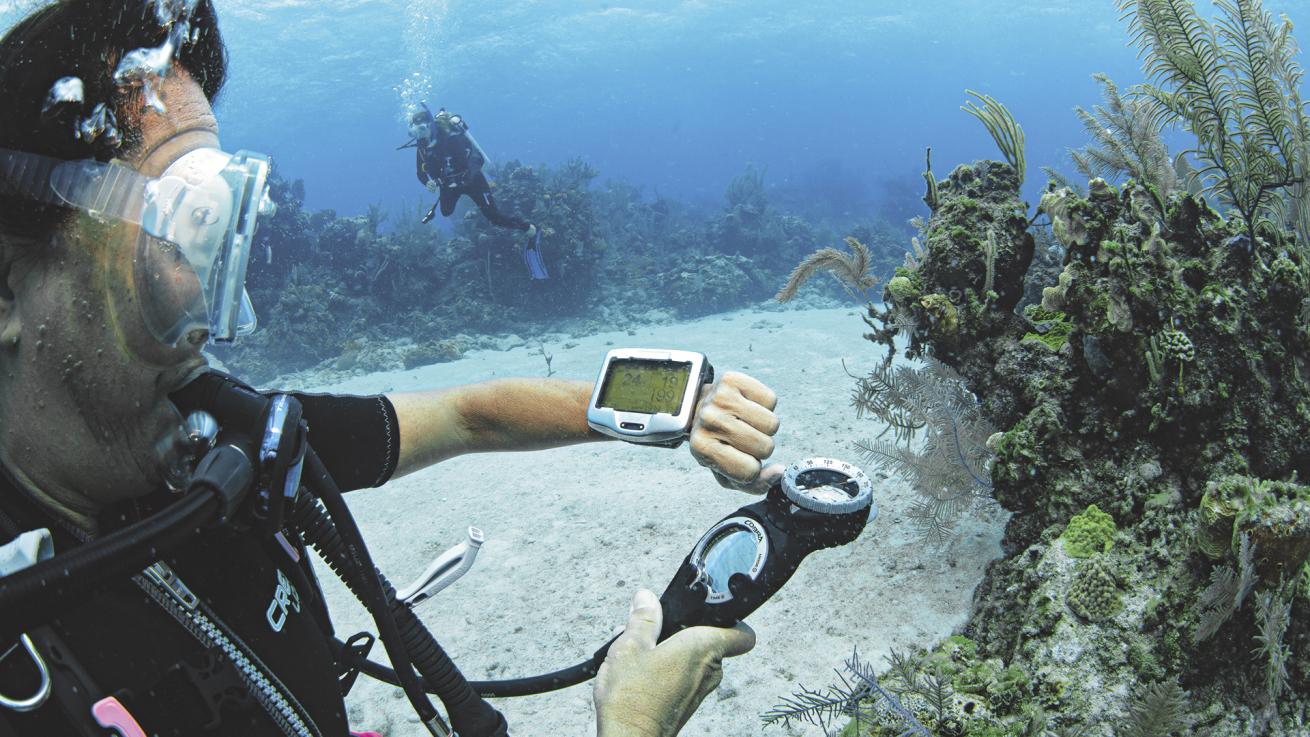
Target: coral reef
1154,405
1150,402
339,291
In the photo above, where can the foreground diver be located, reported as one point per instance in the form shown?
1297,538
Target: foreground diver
102,319
449,163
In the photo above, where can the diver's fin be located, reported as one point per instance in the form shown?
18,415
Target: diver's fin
532,257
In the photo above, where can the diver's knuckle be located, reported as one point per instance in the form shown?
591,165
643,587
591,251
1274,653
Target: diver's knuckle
740,470
711,415
713,674
699,442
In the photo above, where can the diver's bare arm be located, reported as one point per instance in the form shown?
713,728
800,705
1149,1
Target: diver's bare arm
507,414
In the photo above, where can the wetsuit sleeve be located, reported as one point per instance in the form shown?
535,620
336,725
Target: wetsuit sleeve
358,438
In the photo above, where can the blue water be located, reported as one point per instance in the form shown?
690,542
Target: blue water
837,99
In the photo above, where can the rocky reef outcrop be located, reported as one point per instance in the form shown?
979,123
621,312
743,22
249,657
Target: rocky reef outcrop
1155,409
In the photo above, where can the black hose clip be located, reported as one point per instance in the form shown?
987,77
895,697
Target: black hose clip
281,460
352,658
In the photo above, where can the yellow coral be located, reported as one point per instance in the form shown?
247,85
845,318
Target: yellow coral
945,318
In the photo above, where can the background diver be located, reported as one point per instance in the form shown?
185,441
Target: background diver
449,163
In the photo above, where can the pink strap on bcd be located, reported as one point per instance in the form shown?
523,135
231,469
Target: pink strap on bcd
110,713
366,734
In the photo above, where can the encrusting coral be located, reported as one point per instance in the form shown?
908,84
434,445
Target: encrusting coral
1094,592
1088,533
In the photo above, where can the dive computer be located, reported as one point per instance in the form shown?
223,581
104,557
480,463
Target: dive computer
648,396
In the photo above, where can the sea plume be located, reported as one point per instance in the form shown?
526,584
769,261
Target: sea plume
851,270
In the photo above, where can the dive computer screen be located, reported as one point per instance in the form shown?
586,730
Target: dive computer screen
645,386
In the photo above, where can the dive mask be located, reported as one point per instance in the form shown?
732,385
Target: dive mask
420,131
197,224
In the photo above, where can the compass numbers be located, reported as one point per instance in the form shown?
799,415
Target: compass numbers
827,485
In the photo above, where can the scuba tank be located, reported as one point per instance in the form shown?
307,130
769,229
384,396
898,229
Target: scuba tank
478,149
460,127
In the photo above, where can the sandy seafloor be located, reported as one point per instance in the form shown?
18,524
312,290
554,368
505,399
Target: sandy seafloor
573,532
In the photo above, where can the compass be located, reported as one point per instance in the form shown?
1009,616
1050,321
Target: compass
744,558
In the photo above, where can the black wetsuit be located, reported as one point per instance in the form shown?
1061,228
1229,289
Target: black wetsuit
132,641
453,162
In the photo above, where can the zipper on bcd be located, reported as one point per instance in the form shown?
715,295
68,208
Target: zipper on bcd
164,586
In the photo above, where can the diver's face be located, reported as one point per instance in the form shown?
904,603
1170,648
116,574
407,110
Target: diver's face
84,383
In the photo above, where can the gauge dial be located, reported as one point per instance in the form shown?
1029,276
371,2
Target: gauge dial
827,485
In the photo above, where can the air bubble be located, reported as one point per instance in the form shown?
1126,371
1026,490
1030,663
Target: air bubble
146,68
63,93
100,123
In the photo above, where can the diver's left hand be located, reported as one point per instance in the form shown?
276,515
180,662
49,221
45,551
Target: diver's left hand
733,431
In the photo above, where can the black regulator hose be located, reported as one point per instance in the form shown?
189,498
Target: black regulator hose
469,714
39,593
530,686
367,583
42,591
233,404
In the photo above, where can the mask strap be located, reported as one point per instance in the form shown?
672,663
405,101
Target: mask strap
113,190
28,175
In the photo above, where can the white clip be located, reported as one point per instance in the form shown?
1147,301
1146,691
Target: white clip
445,570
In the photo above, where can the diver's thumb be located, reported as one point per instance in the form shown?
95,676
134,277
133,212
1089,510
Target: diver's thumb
720,642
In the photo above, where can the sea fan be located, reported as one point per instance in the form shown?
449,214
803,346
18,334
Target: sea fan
1273,614
1125,141
1226,592
951,468
1234,84
1001,124
856,696
1157,710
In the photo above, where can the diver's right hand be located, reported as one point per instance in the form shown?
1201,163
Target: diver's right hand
644,690
433,186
